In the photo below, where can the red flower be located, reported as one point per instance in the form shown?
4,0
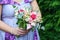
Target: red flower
33,16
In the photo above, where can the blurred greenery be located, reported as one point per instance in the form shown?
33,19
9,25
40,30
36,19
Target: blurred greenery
50,10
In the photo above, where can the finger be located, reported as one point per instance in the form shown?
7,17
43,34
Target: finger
29,29
18,33
21,31
21,34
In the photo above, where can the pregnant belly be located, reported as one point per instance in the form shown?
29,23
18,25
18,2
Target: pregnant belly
8,10
10,21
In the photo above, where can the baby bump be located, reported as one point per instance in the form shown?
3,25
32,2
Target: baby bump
8,10
11,21
8,15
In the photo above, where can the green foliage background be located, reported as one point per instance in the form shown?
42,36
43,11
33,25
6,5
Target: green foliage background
51,19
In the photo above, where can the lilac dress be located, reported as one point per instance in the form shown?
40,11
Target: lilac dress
9,18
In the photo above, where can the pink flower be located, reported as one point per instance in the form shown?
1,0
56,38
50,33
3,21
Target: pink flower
33,15
21,10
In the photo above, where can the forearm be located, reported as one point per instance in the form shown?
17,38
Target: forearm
5,27
35,7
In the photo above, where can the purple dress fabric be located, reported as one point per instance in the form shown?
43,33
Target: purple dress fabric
9,36
6,2
11,1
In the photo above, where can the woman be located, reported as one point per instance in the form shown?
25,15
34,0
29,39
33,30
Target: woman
9,21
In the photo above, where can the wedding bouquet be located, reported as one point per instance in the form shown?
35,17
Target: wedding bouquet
27,20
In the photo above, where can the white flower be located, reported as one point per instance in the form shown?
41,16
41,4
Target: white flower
35,20
16,13
33,24
43,28
27,19
16,10
29,26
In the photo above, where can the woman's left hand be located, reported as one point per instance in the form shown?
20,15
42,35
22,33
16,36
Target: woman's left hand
27,31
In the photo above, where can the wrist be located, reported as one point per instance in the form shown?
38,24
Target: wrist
11,30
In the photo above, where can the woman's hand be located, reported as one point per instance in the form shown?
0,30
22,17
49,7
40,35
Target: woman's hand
14,31
17,31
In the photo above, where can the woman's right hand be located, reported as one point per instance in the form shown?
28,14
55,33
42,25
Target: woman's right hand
17,31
